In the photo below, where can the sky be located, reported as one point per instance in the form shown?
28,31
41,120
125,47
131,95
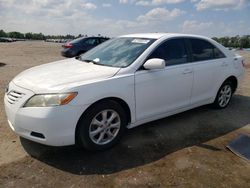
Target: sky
117,17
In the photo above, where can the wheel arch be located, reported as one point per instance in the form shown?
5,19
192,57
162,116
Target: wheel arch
230,78
233,80
120,101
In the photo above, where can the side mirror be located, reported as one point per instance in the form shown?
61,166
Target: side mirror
154,63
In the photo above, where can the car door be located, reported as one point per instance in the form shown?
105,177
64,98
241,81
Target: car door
207,67
161,91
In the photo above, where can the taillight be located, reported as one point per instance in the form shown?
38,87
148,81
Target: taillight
68,45
243,63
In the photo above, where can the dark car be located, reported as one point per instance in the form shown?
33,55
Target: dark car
81,45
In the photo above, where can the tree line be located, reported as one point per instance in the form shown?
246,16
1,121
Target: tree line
34,36
233,42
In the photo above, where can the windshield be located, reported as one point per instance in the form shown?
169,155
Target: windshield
118,52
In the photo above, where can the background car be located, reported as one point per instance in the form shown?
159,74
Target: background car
4,39
81,45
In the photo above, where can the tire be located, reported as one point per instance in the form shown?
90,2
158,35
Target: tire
105,131
224,95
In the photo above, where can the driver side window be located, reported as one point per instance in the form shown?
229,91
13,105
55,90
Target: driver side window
172,51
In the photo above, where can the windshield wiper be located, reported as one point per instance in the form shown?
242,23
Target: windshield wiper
97,63
87,60
92,61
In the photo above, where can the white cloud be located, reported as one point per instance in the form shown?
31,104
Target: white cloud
157,2
123,1
160,14
48,16
76,16
46,7
214,28
193,26
88,6
219,4
167,1
106,5
143,3
72,16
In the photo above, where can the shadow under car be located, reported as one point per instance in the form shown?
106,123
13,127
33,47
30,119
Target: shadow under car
149,142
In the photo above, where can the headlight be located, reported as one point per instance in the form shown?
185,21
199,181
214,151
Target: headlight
7,89
46,100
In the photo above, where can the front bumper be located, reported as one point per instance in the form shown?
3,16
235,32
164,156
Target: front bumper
54,126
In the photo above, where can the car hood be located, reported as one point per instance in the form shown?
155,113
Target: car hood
61,75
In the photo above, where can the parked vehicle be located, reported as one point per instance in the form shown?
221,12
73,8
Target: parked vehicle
122,83
58,40
81,45
5,39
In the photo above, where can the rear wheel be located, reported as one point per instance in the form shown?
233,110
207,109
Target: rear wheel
101,126
224,95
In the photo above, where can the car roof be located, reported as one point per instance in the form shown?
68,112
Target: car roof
80,39
89,37
160,35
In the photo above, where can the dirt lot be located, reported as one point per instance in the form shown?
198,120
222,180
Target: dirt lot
185,150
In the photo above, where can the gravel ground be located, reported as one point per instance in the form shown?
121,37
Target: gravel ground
184,150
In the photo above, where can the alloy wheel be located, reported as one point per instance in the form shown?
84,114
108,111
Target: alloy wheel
104,127
224,95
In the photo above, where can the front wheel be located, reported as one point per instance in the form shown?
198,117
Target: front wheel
102,126
224,95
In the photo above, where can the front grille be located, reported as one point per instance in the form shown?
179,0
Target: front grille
14,96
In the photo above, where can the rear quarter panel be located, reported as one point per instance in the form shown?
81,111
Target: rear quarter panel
234,67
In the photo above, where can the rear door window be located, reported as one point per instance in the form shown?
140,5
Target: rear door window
218,53
172,51
203,50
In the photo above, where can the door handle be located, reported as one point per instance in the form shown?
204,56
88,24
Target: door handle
187,71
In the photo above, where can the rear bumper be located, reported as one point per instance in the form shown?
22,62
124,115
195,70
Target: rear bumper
240,77
68,53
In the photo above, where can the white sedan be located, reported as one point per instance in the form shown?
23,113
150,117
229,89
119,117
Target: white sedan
122,83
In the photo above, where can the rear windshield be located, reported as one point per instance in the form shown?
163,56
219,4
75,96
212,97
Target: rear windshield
76,40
